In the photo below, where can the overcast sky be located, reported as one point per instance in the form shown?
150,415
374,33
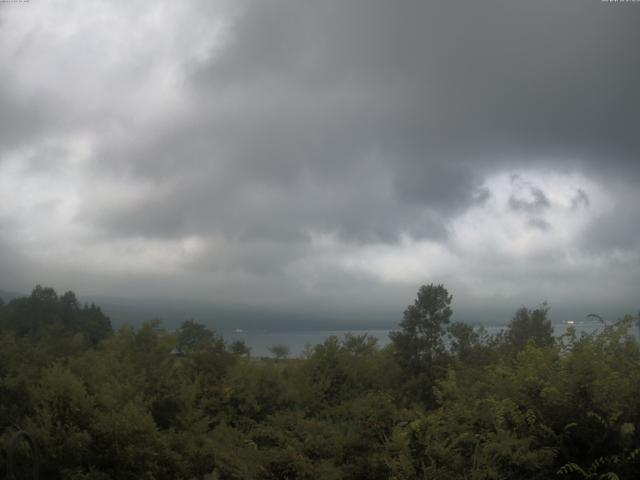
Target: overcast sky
324,155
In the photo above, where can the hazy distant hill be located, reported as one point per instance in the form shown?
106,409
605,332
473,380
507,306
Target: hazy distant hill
229,318
224,318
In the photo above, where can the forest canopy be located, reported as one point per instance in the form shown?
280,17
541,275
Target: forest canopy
443,400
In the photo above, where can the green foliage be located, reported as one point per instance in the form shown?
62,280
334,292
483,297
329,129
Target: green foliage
45,314
194,337
530,326
239,347
280,351
419,346
124,405
252,392
340,370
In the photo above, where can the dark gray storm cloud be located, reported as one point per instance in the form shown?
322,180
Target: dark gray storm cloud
313,141
430,96
435,81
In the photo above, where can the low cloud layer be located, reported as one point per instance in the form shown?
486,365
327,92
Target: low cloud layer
328,155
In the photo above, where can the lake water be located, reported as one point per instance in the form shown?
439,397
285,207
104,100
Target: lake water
259,342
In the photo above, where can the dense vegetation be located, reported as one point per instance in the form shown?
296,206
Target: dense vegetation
443,400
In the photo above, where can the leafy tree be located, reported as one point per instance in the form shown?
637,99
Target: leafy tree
44,313
280,351
336,371
240,347
93,323
292,446
63,418
419,345
530,325
463,339
360,345
253,392
194,336
207,355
